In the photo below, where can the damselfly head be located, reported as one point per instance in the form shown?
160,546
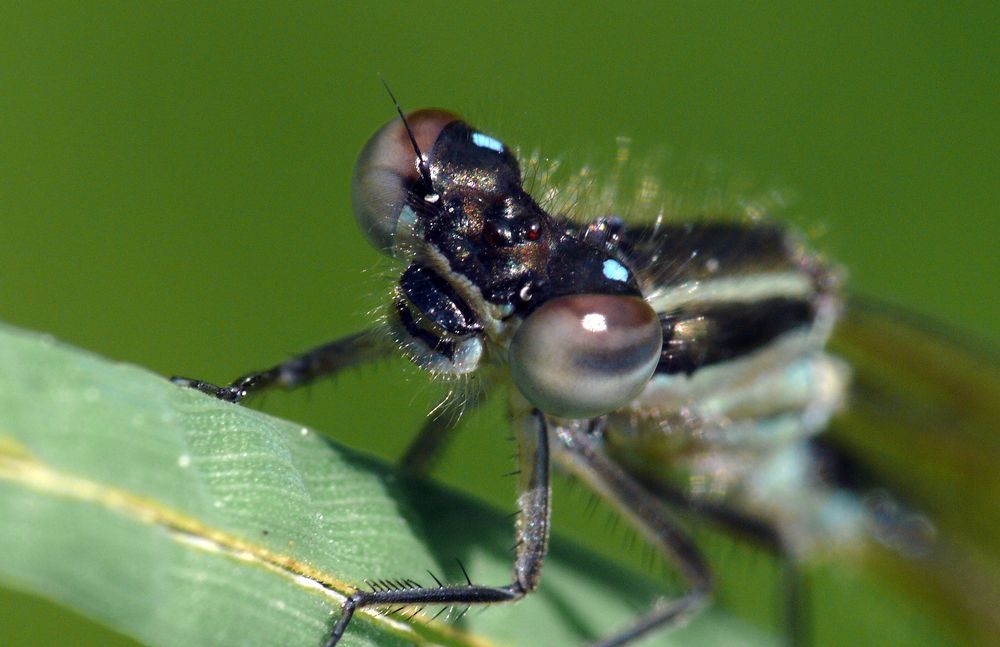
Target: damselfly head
484,257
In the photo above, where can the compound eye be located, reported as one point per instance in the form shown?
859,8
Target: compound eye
387,170
586,355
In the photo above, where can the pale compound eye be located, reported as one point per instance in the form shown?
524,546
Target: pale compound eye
388,170
586,355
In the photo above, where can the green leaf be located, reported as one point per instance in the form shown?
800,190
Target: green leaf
180,520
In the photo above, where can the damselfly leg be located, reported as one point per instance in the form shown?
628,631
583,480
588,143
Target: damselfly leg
532,537
323,361
578,451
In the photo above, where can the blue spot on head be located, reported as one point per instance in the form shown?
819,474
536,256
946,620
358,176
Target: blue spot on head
485,141
615,270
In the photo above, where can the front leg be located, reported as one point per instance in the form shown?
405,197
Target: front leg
325,360
532,535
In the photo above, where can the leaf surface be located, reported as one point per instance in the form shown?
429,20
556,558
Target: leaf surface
180,520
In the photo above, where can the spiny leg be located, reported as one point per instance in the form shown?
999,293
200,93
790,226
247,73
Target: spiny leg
580,453
795,593
325,360
532,535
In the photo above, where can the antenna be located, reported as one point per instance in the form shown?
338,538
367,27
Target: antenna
425,173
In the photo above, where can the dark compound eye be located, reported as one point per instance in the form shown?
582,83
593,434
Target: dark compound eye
388,169
586,355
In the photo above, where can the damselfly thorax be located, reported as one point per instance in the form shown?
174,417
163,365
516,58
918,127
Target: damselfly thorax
743,381
669,365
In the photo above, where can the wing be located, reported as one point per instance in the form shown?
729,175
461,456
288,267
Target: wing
925,417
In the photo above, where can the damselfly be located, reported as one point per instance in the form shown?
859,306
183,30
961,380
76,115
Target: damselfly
676,367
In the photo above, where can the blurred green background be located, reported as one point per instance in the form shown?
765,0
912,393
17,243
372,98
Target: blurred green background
174,179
